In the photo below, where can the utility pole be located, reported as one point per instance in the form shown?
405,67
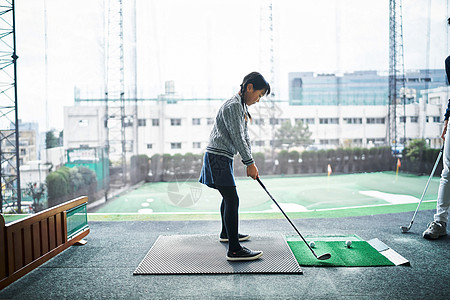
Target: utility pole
427,63
268,109
396,70
115,117
9,117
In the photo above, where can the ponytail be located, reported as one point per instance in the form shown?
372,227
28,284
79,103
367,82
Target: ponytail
258,82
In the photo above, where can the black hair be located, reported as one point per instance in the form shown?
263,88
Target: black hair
448,20
258,82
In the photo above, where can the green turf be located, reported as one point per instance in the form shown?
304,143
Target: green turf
360,254
297,193
340,213
300,196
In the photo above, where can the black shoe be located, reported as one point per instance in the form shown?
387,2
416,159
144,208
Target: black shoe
244,254
242,237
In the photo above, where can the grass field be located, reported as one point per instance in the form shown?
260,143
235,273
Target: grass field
302,194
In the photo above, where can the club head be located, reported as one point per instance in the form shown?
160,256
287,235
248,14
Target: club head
324,256
404,229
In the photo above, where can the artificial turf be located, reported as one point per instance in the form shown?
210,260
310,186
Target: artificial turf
340,213
300,196
360,254
295,193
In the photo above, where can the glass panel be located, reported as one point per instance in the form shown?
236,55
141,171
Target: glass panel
76,220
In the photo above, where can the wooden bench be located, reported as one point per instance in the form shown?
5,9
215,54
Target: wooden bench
27,243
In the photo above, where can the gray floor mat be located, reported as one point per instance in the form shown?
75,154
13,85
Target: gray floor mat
204,254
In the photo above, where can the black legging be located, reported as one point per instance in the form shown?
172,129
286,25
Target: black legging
229,214
447,68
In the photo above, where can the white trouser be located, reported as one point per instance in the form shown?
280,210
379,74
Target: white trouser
443,200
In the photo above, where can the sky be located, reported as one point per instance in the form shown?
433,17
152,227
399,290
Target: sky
207,46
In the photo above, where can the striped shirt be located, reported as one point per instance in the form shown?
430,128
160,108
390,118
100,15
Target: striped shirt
230,134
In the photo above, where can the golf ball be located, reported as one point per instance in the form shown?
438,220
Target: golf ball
348,244
312,244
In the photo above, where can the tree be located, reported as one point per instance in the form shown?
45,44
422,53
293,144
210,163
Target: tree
292,136
51,140
70,182
139,167
415,150
36,192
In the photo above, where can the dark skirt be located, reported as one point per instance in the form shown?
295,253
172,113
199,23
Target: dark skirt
217,170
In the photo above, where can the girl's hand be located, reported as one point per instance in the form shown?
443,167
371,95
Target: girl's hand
252,171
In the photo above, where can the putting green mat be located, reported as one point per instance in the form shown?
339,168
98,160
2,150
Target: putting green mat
360,253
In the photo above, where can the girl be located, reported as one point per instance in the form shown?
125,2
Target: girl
229,136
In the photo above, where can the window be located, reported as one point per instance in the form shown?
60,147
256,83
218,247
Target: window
427,119
283,121
375,120
128,122
330,142
149,146
196,145
142,122
258,143
209,121
23,151
329,121
414,119
259,121
353,120
403,119
375,140
305,121
195,121
436,119
175,122
155,122
274,121
175,145
435,100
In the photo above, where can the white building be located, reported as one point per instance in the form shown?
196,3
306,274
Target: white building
171,125
33,172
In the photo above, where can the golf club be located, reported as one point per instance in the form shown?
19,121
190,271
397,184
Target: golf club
404,228
321,257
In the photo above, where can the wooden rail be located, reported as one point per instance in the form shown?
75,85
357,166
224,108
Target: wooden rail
27,243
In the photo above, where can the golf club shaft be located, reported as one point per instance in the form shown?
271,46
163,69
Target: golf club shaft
426,187
287,218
